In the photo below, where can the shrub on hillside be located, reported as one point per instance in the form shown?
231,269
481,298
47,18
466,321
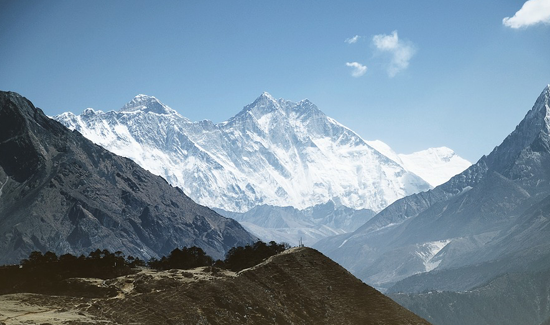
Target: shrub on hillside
239,258
47,272
185,258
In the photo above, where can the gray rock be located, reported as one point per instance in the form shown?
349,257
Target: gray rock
61,192
490,219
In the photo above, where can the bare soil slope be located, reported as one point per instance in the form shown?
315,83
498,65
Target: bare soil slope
299,286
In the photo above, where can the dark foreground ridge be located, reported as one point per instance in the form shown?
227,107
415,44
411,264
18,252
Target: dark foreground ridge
298,286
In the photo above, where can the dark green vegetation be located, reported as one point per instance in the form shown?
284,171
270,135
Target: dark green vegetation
298,286
49,273
243,257
511,299
185,258
238,258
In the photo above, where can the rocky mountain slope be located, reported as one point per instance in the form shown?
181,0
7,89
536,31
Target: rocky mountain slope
306,226
274,152
274,157
299,286
488,220
61,192
511,299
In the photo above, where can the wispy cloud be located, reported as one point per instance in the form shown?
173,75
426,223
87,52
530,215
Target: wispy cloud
353,39
531,13
400,51
358,69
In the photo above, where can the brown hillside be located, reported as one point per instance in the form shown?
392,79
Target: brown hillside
299,286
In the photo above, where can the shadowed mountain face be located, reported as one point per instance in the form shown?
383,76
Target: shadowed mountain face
298,286
61,192
290,225
511,299
490,219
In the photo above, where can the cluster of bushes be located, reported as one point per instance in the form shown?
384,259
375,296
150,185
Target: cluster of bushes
236,259
99,263
185,258
243,257
48,273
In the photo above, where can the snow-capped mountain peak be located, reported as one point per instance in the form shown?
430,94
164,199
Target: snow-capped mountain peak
267,96
265,103
434,165
147,104
535,124
306,103
273,152
541,105
306,107
491,215
91,111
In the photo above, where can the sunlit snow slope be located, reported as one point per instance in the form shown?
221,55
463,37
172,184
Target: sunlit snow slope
434,165
274,152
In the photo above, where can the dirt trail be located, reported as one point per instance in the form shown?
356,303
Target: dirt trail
299,286
20,309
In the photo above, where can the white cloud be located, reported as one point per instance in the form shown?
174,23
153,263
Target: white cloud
358,69
386,42
532,12
352,40
400,52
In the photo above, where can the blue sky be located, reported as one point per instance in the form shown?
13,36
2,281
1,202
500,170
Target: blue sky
414,74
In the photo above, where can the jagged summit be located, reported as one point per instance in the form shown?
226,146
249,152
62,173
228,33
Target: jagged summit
273,152
147,104
91,111
541,104
306,103
61,192
541,107
265,99
535,124
497,207
267,96
264,104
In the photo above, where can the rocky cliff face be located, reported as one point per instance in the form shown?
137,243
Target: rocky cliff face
487,220
61,192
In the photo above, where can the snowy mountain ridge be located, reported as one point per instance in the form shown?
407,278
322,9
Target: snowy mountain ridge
434,165
273,152
147,104
488,220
